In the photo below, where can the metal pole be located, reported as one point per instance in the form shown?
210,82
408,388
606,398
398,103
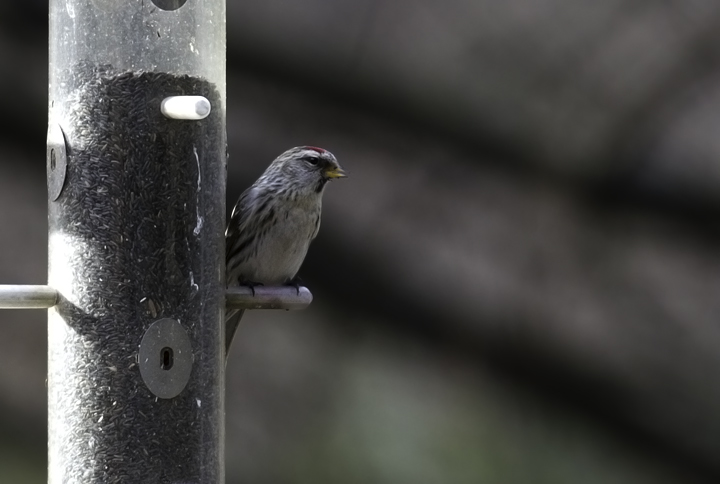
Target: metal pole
136,216
27,297
260,297
237,297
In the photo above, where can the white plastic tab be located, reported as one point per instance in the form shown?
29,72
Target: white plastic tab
185,107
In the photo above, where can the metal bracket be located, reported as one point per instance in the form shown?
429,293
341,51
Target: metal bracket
165,358
56,158
169,4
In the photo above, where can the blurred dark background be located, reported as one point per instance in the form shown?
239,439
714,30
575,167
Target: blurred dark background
517,284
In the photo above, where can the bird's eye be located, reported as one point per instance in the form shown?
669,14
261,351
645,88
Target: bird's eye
313,160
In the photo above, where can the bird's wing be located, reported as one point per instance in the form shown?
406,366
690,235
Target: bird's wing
242,230
238,220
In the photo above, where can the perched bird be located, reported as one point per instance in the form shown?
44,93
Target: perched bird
274,221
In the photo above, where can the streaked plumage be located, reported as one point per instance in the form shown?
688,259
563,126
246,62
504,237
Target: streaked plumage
275,220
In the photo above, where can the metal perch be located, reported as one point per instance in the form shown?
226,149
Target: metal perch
241,297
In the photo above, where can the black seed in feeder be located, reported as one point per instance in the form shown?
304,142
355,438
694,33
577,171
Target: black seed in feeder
139,227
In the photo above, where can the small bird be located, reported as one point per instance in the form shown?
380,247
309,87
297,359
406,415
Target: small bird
274,221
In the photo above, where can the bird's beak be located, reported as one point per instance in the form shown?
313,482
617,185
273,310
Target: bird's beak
335,172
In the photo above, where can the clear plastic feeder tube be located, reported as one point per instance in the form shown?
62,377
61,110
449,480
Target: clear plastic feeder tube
136,217
182,38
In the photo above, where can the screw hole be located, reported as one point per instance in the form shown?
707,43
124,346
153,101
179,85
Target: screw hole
166,358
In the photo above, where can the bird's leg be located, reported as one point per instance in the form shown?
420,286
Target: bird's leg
252,285
295,282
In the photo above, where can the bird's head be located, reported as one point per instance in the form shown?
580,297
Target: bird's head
304,168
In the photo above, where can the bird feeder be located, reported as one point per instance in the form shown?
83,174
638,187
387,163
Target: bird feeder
136,166
136,176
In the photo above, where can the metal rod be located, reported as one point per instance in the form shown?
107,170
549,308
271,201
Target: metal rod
283,297
241,297
27,297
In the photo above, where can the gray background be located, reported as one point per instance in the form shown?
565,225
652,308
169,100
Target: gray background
517,284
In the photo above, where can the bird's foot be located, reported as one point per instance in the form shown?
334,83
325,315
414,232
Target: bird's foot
295,282
252,285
